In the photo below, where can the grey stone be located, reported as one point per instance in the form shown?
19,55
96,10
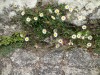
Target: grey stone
23,58
51,63
1,32
23,71
96,15
53,57
80,59
7,66
8,10
50,69
77,61
12,13
1,67
6,26
20,3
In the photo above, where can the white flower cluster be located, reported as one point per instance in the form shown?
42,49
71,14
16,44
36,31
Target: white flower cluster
28,19
69,8
57,11
80,36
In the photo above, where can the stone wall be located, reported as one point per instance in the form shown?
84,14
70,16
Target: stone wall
43,62
56,62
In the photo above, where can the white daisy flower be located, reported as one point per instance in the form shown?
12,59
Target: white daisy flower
70,43
35,18
44,31
53,17
41,14
56,11
60,41
84,27
26,39
23,13
90,37
55,34
89,45
70,9
83,37
21,35
78,35
28,19
66,7
73,36
50,10
57,45
63,18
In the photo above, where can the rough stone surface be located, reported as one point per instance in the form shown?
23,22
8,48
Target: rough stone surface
20,3
22,58
55,62
96,14
6,26
8,9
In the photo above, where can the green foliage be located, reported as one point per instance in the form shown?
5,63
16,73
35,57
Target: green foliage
6,40
46,22
97,41
54,19
10,43
97,46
